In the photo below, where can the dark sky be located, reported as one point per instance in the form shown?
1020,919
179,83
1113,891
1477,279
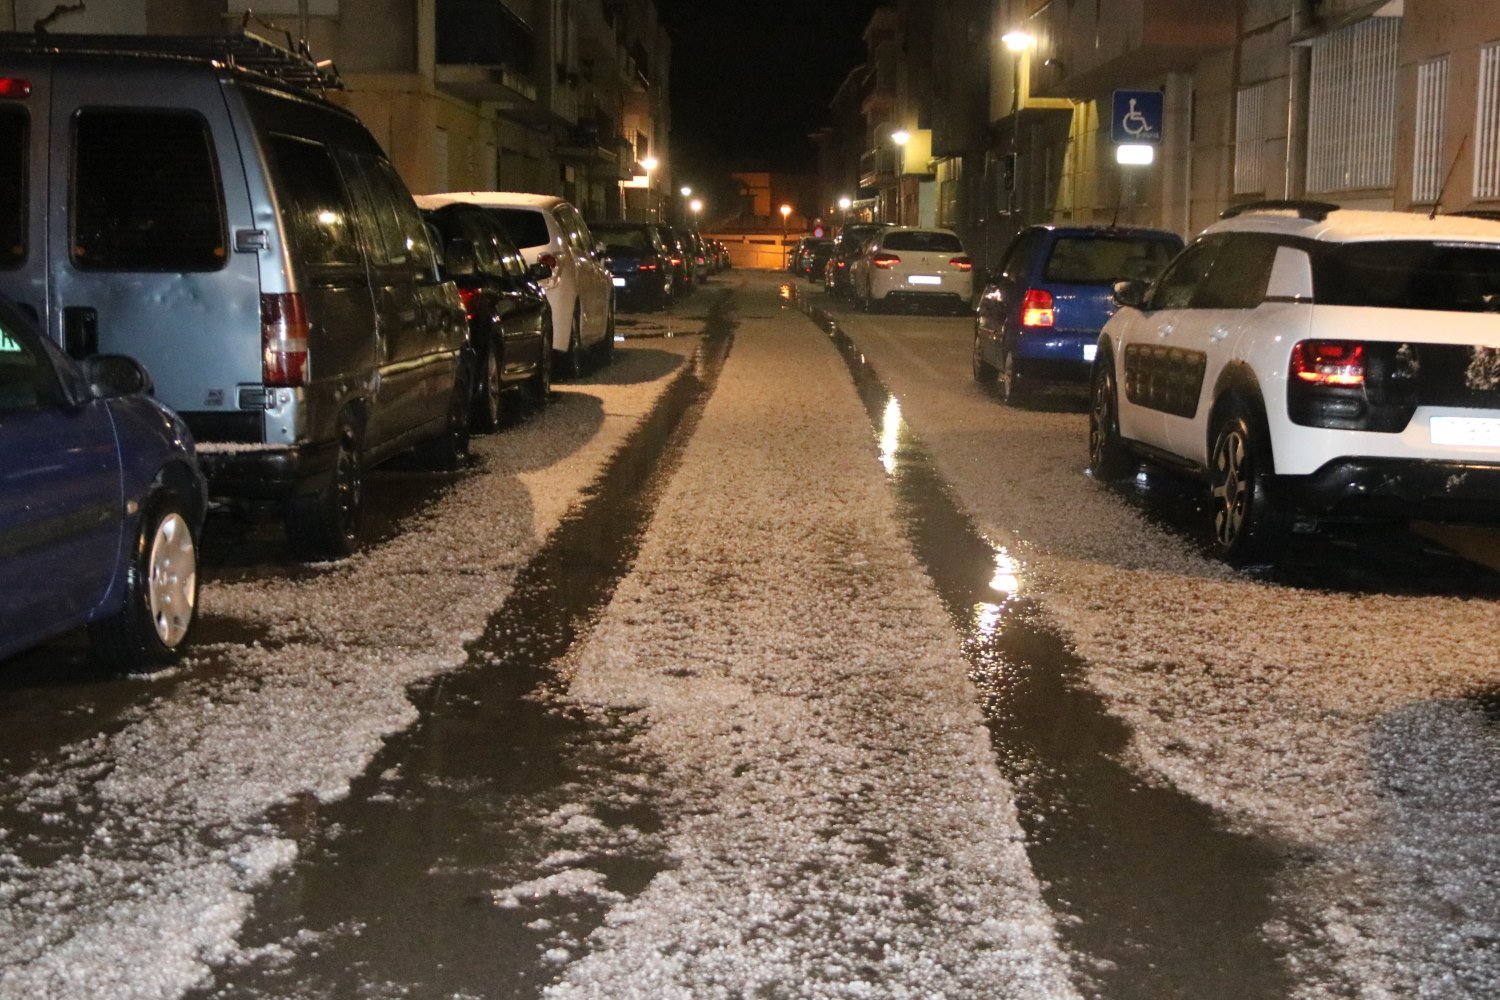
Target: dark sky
751,80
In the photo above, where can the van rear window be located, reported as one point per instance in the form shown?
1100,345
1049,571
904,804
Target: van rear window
146,193
526,226
13,142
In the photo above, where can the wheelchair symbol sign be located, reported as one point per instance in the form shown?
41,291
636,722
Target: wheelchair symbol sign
1137,117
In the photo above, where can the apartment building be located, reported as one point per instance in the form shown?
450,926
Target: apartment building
1392,104
564,97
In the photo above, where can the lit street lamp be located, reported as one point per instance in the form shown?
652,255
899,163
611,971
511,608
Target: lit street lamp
1019,43
686,191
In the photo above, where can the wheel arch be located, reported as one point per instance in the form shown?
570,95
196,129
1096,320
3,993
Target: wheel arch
1236,385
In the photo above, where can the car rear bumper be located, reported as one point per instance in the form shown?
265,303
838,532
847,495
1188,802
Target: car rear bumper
257,472
1440,490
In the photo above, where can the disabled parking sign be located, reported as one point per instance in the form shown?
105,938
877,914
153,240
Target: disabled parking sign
1137,117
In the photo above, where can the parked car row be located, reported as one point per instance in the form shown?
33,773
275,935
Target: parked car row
219,286
652,264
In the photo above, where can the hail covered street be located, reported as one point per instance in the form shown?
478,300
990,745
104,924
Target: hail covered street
776,659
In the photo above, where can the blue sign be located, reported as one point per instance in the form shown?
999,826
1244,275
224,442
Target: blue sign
1137,117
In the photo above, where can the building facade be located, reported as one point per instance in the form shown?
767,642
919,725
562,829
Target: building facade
1391,104
565,97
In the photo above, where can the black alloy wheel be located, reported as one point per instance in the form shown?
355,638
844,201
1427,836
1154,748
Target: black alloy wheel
1109,459
1248,528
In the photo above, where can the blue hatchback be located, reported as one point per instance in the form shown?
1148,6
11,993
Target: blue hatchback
1039,316
101,505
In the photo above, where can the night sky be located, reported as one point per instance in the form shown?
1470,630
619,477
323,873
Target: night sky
750,80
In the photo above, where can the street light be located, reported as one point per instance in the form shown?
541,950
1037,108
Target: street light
786,210
650,163
1019,43
686,191
696,205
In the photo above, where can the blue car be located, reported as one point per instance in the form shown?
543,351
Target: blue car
1039,317
101,505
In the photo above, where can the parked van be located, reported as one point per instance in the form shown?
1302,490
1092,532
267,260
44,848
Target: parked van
195,204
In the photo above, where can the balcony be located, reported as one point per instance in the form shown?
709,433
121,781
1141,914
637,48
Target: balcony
485,52
1144,40
877,168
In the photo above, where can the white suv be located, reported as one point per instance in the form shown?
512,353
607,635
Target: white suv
548,230
1310,362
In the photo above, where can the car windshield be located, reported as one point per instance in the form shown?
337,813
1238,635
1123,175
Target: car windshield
623,237
1103,260
1410,274
919,241
526,226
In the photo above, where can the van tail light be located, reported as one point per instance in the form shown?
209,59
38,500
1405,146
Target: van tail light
840,264
885,261
549,259
14,86
1036,308
283,340
468,295
962,263
1328,362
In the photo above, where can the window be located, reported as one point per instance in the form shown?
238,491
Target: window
1242,267
315,208
1409,274
1427,151
1179,285
146,193
526,226
26,376
917,241
395,204
1487,125
13,194
1351,121
1104,260
1250,140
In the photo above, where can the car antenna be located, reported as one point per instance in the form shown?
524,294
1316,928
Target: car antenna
1444,189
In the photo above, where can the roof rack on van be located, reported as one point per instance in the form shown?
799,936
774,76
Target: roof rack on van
1313,211
291,63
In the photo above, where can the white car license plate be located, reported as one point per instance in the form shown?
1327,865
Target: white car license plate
924,279
1089,350
1470,432
619,282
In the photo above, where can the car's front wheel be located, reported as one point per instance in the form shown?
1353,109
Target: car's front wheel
1248,528
161,593
489,402
1108,456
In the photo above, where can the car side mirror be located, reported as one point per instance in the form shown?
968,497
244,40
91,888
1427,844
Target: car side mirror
539,271
459,258
112,375
1131,293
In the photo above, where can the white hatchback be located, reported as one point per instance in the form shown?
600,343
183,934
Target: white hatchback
1311,362
548,230
910,265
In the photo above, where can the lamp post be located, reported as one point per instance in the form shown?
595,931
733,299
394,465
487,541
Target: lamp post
1019,43
786,210
650,163
900,137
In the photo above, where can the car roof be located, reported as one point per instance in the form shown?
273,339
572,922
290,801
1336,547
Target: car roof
1086,231
1359,225
917,229
499,199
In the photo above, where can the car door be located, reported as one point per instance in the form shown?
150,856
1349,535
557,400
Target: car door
1221,306
1158,375
594,285
60,494
148,196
